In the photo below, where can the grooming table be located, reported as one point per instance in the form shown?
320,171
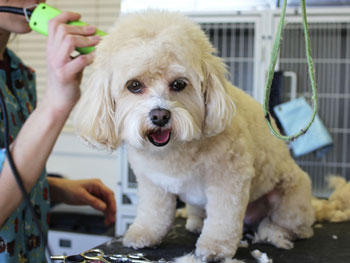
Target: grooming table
331,243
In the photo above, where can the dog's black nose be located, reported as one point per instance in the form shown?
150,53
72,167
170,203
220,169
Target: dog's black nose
159,117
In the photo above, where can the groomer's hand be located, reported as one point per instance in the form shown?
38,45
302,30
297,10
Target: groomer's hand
90,192
65,72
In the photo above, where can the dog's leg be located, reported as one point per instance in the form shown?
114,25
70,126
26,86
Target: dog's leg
155,214
293,217
271,233
195,216
222,229
295,211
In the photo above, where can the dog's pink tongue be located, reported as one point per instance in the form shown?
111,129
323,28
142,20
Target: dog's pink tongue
160,136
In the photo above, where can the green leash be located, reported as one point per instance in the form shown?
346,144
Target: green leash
271,70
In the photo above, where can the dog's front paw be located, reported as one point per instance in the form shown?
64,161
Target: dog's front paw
139,237
214,250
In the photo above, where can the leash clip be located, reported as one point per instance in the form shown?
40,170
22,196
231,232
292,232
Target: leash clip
25,11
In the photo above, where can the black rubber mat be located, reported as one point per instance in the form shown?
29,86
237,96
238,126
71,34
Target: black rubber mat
330,244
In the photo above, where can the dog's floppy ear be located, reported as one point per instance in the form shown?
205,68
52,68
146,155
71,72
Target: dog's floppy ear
219,105
94,119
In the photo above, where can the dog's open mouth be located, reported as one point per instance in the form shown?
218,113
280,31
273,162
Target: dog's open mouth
159,137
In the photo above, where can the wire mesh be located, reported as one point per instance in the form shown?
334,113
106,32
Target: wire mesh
331,53
235,45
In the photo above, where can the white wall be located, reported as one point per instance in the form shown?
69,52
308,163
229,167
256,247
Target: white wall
74,159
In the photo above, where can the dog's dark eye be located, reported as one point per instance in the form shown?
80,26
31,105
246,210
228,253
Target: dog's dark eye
178,85
135,86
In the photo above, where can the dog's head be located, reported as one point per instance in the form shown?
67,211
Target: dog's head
155,82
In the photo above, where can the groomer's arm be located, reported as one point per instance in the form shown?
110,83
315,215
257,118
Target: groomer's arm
34,143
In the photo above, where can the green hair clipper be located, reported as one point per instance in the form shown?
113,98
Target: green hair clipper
39,22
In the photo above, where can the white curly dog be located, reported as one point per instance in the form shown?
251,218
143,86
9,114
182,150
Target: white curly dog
157,86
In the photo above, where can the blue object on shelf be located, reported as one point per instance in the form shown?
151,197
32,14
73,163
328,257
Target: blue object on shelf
293,116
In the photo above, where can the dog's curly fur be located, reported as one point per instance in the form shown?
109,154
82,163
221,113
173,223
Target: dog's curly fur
214,150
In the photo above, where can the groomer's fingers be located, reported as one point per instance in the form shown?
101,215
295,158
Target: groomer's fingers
108,197
94,201
65,29
109,217
106,194
71,67
70,42
55,41
63,18
78,64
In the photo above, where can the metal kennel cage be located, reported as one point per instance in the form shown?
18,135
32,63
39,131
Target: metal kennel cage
235,45
330,40
243,46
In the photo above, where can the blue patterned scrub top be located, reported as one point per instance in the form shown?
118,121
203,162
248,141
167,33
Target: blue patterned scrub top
20,241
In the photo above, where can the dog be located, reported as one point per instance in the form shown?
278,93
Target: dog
158,87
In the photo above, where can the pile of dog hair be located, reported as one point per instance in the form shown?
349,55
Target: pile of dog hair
337,207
